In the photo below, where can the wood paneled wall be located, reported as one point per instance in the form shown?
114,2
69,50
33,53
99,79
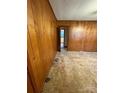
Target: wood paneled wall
41,40
82,35
29,84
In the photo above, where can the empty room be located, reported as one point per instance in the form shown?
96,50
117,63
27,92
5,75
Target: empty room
61,46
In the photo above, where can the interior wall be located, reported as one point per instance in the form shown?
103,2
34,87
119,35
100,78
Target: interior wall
41,40
82,35
29,84
66,37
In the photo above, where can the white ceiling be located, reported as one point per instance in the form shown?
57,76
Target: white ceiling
74,9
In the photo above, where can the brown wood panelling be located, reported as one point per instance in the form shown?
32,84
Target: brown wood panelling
29,85
42,40
82,35
90,43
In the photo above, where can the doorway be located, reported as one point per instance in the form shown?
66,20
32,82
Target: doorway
62,38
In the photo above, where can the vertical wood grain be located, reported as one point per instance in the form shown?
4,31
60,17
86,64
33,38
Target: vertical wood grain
42,43
82,35
29,85
90,43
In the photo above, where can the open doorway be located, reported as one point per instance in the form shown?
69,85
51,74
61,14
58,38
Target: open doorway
62,38
62,41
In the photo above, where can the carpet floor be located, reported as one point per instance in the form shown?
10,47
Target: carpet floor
73,72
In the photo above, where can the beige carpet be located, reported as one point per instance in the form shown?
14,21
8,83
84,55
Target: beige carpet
73,72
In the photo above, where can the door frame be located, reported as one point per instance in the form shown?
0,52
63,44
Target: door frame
66,28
